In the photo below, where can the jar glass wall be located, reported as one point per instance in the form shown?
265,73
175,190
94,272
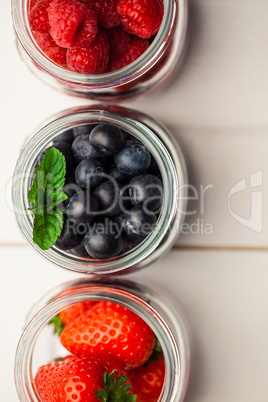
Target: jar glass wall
162,316
168,157
147,73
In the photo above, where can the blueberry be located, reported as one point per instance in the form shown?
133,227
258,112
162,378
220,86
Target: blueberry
85,129
66,150
80,250
154,169
82,149
82,208
69,237
103,242
115,173
67,137
108,139
89,173
110,193
127,136
70,189
138,222
146,190
133,159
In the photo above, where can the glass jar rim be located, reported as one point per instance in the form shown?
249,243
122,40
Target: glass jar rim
175,351
174,177
115,78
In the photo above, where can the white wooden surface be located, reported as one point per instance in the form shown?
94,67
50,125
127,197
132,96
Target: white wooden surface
217,108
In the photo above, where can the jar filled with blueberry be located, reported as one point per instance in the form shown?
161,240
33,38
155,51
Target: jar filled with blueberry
118,48
104,193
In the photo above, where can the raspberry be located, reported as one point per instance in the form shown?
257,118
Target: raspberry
134,50
106,11
50,48
91,60
141,17
38,17
119,41
73,24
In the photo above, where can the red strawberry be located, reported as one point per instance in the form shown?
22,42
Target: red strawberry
110,330
80,379
73,24
141,17
148,380
70,313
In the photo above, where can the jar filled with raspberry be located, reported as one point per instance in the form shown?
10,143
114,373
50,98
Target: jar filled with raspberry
85,330
118,197
104,49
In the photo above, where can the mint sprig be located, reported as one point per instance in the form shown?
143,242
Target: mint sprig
46,194
115,390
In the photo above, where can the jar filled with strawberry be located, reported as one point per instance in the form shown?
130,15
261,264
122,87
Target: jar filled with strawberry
103,48
103,341
101,190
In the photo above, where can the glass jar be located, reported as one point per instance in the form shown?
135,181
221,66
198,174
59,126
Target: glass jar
167,155
36,348
149,71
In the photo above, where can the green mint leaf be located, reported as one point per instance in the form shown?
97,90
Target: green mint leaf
46,195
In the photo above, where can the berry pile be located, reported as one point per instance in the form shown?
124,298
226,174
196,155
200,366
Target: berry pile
114,190
94,37
114,357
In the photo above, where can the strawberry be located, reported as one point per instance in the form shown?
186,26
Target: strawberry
70,313
82,379
110,330
148,380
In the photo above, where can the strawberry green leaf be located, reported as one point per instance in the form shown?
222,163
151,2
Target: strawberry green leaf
115,390
47,196
58,324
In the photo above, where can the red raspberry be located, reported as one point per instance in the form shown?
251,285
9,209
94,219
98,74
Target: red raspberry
134,50
141,17
91,60
50,48
106,11
38,17
119,41
73,24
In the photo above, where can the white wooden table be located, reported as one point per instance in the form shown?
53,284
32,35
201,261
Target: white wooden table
217,108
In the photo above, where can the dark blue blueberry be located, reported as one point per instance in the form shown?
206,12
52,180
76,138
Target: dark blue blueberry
66,150
138,222
70,189
82,149
82,208
127,136
154,169
67,137
69,237
102,241
133,159
106,138
89,173
146,190
85,129
115,173
110,193
80,250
